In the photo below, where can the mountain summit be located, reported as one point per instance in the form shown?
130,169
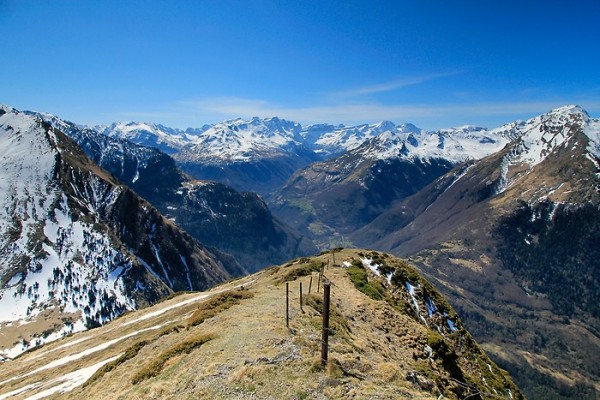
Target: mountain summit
77,248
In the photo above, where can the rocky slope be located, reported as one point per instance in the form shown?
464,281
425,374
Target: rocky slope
391,336
238,223
76,247
512,239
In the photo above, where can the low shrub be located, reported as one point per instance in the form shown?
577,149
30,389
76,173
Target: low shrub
302,270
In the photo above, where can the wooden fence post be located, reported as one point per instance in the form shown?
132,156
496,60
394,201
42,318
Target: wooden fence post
310,284
287,304
325,332
319,282
333,255
301,309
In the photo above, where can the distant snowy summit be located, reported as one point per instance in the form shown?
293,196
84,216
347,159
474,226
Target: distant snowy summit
241,140
540,136
168,140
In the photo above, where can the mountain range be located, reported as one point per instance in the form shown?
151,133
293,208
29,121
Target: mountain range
261,154
503,221
218,216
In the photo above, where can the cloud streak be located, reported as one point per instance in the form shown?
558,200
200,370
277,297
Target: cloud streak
195,113
392,85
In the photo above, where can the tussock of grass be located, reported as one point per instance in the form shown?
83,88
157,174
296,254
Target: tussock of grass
131,352
334,369
171,329
155,366
302,270
216,304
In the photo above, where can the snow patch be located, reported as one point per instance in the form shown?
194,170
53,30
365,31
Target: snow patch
368,263
70,381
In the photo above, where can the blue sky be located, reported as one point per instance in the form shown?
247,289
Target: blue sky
186,63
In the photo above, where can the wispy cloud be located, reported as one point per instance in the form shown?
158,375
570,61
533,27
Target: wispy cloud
438,115
146,115
392,85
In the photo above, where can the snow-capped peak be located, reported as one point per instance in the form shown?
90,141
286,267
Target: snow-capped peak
569,109
147,134
243,140
344,138
384,126
5,109
538,138
454,144
408,128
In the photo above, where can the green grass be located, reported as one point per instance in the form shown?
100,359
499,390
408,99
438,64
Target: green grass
154,367
216,304
358,276
305,206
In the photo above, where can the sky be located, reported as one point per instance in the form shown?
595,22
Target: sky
435,64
